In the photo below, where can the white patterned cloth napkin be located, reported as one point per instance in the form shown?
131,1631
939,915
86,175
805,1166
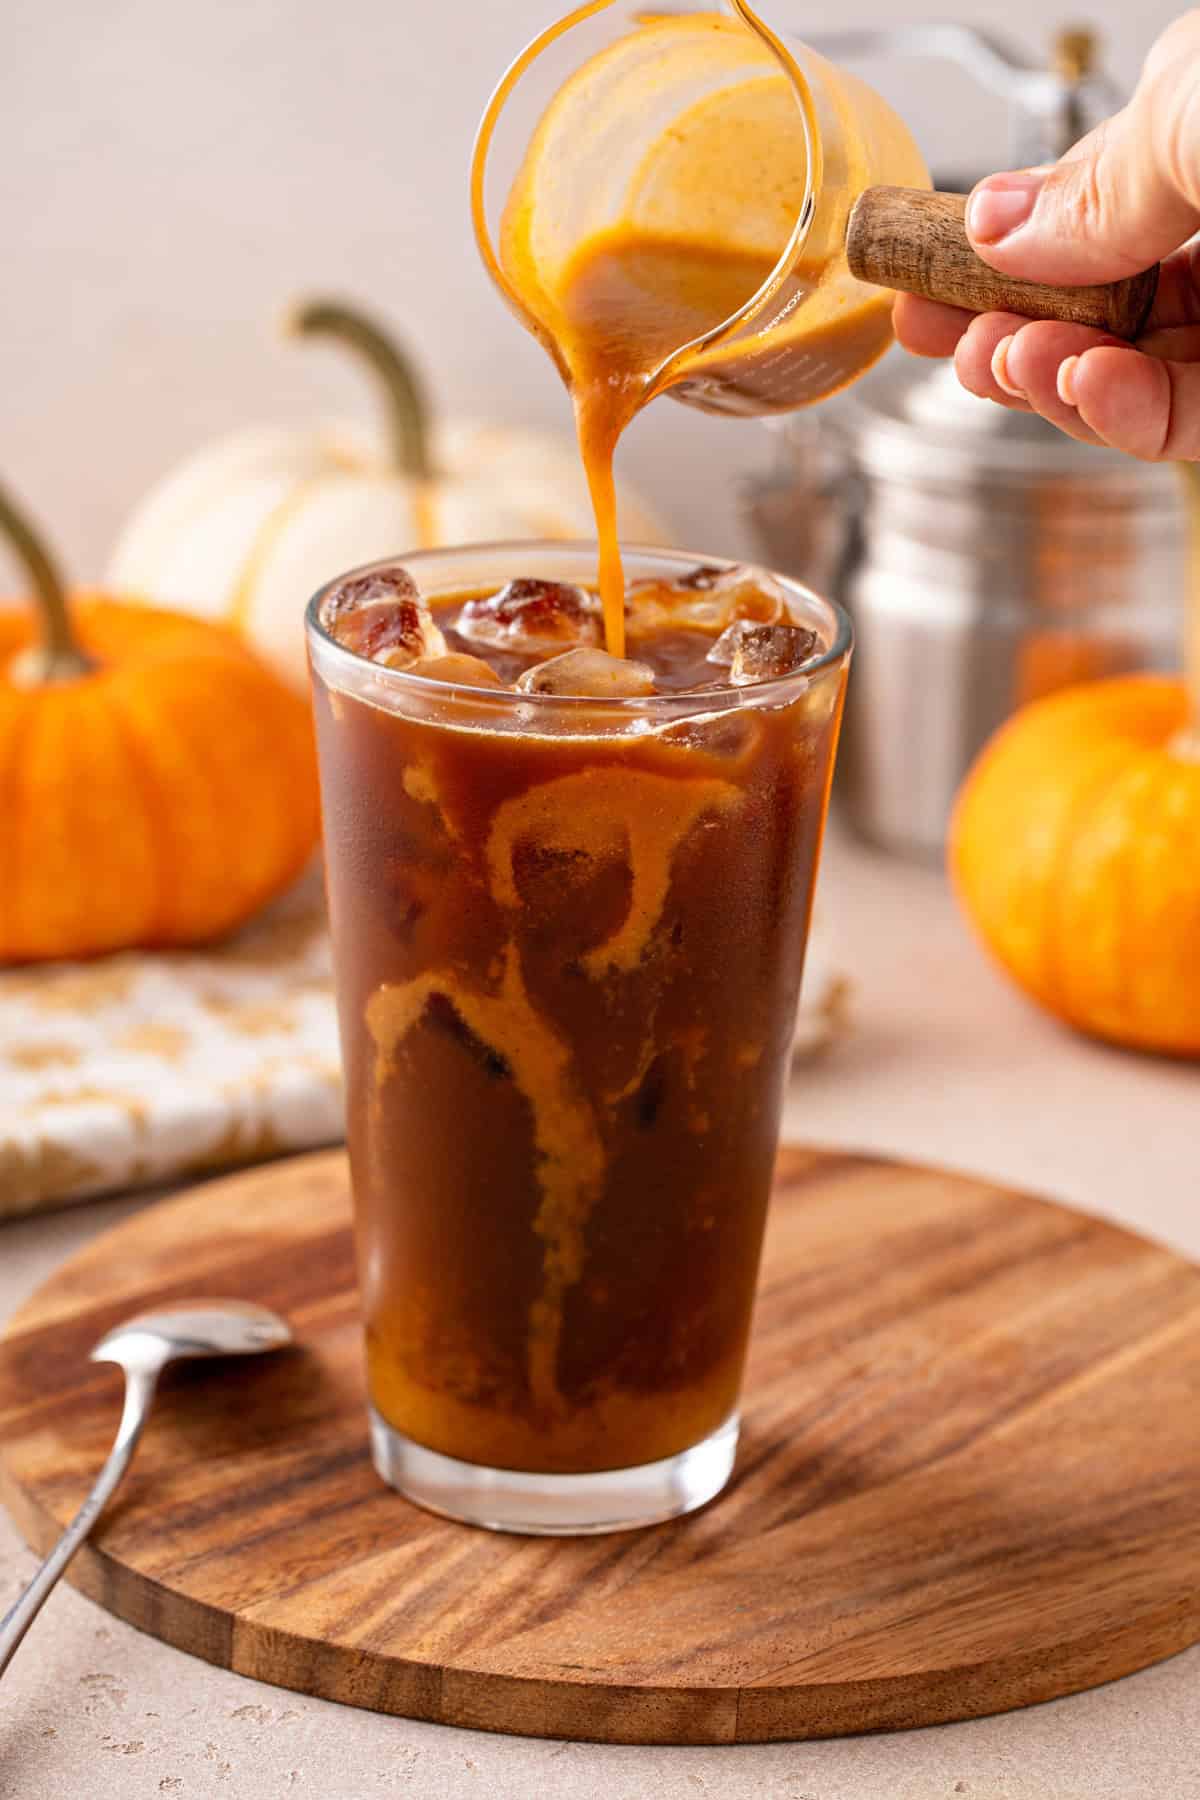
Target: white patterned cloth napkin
155,1066
146,1067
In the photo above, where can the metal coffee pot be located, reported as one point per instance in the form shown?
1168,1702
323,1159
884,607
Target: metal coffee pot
985,558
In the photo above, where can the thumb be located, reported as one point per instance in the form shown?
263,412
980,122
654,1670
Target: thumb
1124,198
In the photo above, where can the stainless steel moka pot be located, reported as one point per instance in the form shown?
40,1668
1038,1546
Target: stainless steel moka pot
985,558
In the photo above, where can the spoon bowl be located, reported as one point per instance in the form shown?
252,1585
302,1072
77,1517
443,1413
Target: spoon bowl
194,1328
143,1346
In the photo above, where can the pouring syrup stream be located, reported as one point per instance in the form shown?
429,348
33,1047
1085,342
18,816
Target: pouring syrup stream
631,311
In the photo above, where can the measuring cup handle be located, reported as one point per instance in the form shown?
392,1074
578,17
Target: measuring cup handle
916,241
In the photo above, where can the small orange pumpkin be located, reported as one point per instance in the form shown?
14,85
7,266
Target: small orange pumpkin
1075,848
157,782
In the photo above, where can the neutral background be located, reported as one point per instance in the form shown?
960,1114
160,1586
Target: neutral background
173,172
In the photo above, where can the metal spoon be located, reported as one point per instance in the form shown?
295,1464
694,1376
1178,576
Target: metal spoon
143,1346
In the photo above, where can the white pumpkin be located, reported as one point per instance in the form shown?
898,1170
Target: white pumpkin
245,530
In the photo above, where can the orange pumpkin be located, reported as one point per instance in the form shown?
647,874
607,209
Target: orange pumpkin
1075,848
157,782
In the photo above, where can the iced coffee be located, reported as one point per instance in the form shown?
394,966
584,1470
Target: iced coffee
569,897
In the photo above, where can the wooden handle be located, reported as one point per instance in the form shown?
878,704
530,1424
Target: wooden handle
915,241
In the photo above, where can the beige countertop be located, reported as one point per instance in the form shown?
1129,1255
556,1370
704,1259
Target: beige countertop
945,1064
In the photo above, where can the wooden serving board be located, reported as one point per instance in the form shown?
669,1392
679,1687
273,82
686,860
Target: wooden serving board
968,1478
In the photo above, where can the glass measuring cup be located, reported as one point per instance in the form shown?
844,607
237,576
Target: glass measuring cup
703,132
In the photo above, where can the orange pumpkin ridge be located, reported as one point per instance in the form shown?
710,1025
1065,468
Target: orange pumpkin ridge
158,782
1075,850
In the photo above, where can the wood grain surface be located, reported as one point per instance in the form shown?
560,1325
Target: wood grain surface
915,241
968,1478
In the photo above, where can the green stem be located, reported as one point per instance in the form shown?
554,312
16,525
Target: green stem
407,412
58,656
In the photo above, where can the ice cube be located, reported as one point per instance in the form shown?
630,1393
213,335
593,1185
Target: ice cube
722,651
532,615
744,630
732,734
590,673
406,636
764,651
382,616
457,666
708,599
394,583
704,575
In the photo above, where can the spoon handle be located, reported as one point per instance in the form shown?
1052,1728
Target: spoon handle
139,1394
916,241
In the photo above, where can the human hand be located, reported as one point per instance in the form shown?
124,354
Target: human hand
1127,196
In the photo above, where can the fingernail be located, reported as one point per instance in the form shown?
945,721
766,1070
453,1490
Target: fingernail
1002,204
1000,374
1065,382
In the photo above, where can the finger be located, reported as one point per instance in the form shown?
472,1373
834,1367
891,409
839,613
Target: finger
1140,404
982,364
1026,365
983,368
926,327
929,328
975,352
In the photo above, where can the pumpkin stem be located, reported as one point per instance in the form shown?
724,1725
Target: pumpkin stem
58,656
407,412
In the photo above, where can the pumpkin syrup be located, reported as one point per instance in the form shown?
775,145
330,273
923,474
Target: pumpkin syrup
627,304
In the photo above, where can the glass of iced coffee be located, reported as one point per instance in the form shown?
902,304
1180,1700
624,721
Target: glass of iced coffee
569,896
